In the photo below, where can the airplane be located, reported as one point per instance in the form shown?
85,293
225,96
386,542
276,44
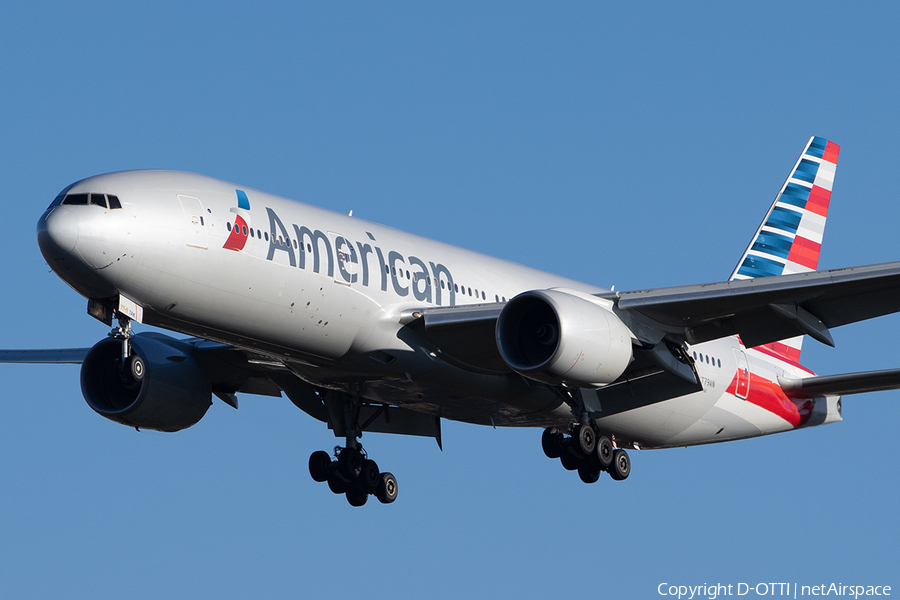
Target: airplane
370,329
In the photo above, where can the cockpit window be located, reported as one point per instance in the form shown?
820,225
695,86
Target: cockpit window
76,199
59,197
95,199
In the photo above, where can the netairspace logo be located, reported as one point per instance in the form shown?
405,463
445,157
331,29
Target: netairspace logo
713,591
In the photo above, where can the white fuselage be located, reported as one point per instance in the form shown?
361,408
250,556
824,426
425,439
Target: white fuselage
327,294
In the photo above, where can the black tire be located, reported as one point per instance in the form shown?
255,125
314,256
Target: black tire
589,474
356,497
387,488
320,466
336,484
136,367
569,461
551,442
369,477
350,463
620,468
603,453
585,439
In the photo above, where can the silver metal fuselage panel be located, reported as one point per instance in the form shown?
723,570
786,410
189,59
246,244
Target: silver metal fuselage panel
328,294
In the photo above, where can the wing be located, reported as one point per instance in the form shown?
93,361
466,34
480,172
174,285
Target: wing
45,356
231,370
763,310
760,311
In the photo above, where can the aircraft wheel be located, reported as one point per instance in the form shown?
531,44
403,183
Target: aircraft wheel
369,476
588,474
603,453
320,466
621,465
136,367
551,442
585,439
387,488
569,461
356,497
336,484
350,463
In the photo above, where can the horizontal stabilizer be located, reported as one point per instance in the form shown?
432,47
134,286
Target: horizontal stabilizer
839,385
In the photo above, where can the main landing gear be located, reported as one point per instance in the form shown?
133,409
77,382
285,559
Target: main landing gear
587,452
351,472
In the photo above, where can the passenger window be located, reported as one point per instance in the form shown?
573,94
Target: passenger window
251,233
228,225
244,230
76,199
483,297
720,363
442,284
98,200
266,235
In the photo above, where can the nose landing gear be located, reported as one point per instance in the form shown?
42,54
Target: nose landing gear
587,451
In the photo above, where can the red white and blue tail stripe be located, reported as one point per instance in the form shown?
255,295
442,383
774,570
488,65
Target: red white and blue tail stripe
790,237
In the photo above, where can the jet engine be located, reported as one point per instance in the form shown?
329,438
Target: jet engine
558,337
160,386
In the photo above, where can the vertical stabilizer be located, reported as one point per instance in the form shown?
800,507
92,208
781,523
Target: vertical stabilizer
790,237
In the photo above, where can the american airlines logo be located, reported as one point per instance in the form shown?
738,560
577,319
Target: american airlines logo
356,261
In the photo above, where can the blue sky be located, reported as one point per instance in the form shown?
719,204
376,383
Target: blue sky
636,147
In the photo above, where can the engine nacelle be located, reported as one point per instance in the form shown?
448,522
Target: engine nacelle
161,388
557,337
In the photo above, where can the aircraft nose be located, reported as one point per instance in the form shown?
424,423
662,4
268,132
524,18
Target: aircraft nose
57,233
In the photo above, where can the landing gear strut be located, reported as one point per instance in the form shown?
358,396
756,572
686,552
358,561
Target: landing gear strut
587,451
131,366
351,472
